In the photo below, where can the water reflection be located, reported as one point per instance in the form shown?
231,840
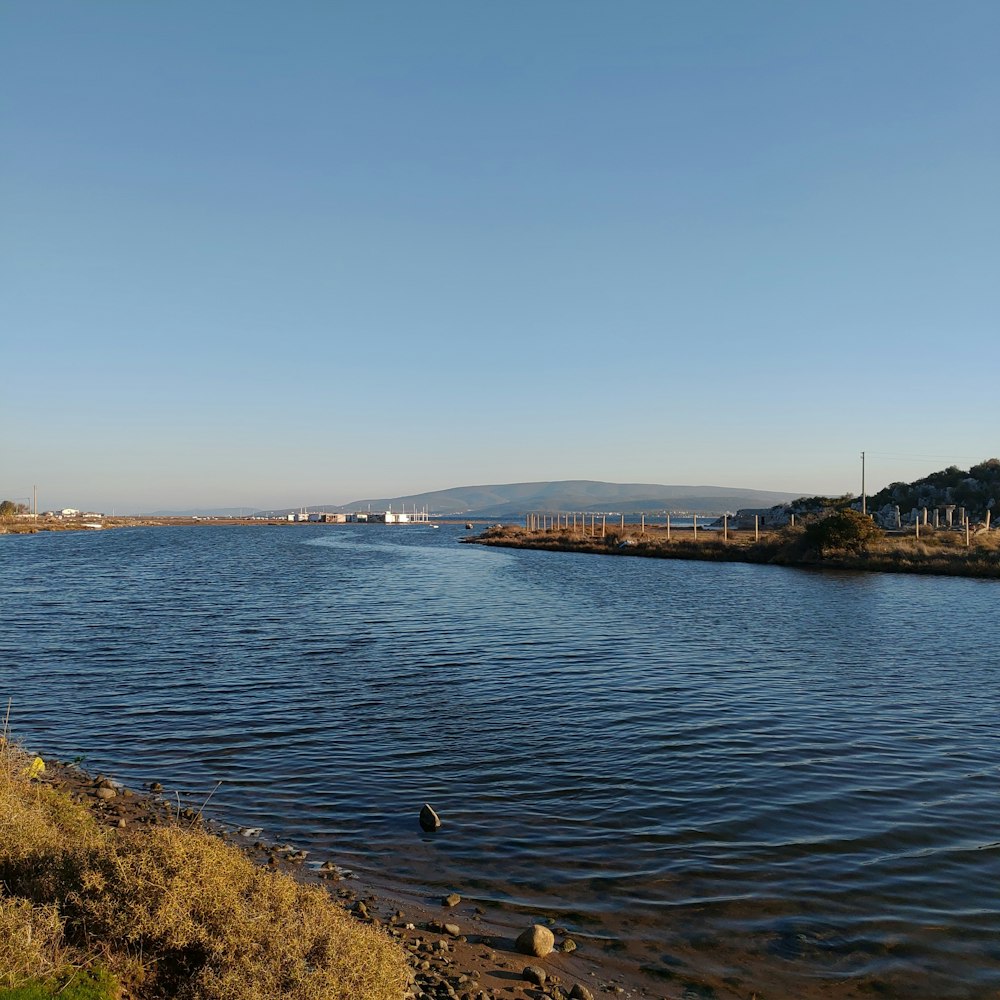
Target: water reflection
764,774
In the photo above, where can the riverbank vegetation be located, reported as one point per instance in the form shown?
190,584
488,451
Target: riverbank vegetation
840,540
97,912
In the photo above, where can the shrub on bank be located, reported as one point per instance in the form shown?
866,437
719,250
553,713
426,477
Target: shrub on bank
843,531
171,911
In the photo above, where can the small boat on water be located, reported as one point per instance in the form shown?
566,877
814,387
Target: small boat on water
468,526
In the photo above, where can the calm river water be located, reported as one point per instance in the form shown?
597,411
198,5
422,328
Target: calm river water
734,777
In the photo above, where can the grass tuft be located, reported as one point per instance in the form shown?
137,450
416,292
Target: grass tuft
169,910
87,984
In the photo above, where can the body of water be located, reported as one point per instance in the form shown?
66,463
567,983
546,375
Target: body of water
732,777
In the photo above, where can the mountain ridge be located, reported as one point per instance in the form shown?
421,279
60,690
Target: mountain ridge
584,495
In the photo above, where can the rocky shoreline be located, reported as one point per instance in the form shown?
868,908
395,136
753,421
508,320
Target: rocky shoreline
455,950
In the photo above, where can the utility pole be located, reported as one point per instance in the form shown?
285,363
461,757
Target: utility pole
864,502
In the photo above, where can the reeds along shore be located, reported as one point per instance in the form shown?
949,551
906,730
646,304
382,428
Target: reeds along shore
934,552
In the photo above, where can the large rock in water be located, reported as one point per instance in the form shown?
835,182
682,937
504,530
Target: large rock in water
536,940
429,819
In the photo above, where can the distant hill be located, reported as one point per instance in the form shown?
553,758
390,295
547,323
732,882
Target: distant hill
513,500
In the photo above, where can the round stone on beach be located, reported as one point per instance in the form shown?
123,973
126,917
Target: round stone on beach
106,793
536,940
568,945
453,929
452,899
533,974
429,819
580,993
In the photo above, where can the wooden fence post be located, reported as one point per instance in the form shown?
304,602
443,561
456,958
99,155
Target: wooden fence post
694,525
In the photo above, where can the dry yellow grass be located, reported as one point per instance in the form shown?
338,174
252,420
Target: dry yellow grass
935,552
31,942
172,911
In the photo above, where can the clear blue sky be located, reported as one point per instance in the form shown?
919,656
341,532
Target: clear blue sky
276,254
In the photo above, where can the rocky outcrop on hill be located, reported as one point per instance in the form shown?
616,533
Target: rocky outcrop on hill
942,499
977,491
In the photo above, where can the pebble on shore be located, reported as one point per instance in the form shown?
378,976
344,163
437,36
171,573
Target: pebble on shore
534,974
536,940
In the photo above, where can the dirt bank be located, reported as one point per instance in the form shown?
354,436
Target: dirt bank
939,553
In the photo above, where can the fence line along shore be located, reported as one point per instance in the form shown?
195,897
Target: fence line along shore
576,521
840,540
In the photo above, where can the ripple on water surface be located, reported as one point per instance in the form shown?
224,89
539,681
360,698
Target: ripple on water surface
766,773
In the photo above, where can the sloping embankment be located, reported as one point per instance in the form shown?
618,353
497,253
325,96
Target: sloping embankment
96,905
